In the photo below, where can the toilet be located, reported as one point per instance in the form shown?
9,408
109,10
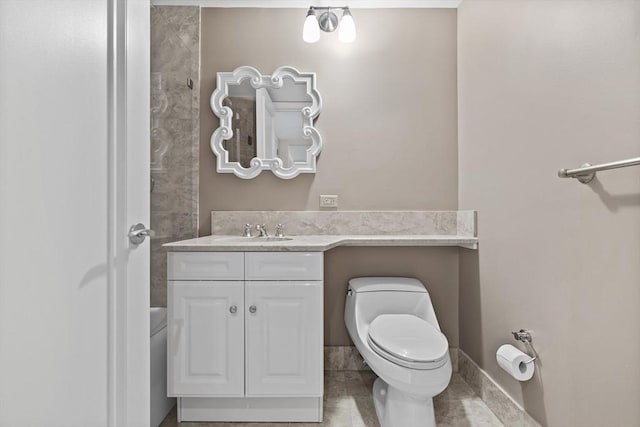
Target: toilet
394,327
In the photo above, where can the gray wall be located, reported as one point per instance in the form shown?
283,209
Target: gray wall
389,127
544,85
389,118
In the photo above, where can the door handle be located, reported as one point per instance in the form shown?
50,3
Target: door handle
138,232
253,309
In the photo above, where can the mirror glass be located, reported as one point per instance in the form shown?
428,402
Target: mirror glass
266,122
242,102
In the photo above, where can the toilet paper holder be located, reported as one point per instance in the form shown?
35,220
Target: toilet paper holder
525,336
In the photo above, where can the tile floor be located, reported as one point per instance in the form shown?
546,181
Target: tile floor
348,403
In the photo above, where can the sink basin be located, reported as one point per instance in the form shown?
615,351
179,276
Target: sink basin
271,239
253,239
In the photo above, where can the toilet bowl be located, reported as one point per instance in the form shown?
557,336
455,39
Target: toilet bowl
394,327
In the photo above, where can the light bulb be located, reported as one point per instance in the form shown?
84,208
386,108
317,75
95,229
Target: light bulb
311,29
347,30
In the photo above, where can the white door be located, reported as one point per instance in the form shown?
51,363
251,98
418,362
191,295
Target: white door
74,335
284,336
206,343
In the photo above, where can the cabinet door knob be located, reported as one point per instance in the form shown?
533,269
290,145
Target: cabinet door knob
233,309
253,309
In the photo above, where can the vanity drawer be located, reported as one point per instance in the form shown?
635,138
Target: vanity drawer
205,266
284,266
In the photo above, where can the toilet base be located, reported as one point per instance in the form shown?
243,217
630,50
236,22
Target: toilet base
397,409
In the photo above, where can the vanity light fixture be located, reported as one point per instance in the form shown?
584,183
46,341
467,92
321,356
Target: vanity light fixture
328,22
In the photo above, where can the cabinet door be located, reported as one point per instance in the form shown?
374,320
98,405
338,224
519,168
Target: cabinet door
206,339
284,336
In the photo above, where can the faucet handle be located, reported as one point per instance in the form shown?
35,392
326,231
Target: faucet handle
247,230
279,230
262,229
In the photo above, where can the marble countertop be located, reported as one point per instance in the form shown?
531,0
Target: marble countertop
317,243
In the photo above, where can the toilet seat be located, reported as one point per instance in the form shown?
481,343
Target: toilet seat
408,341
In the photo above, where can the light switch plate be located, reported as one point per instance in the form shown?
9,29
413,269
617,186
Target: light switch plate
328,201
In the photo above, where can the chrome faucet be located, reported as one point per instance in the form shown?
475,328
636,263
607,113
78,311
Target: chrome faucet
279,230
247,231
260,228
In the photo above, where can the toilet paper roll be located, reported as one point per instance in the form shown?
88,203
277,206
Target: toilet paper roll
513,361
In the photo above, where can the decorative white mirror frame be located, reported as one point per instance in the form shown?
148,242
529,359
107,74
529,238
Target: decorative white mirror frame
225,131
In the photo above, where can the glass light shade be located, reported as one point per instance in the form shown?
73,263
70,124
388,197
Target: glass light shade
311,29
347,29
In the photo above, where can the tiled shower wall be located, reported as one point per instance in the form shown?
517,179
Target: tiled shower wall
175,60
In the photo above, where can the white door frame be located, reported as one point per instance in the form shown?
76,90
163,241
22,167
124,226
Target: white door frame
129,203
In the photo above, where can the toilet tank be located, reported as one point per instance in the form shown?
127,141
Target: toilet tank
369,297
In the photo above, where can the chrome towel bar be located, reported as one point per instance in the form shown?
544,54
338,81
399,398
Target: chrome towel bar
587,172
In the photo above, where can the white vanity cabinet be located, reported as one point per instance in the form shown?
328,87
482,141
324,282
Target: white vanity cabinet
246,335
283,350
206,341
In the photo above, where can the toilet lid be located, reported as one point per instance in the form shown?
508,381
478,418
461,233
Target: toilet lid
409,341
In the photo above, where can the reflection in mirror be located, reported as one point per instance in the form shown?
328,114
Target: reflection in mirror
282,123
266,122
242,102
